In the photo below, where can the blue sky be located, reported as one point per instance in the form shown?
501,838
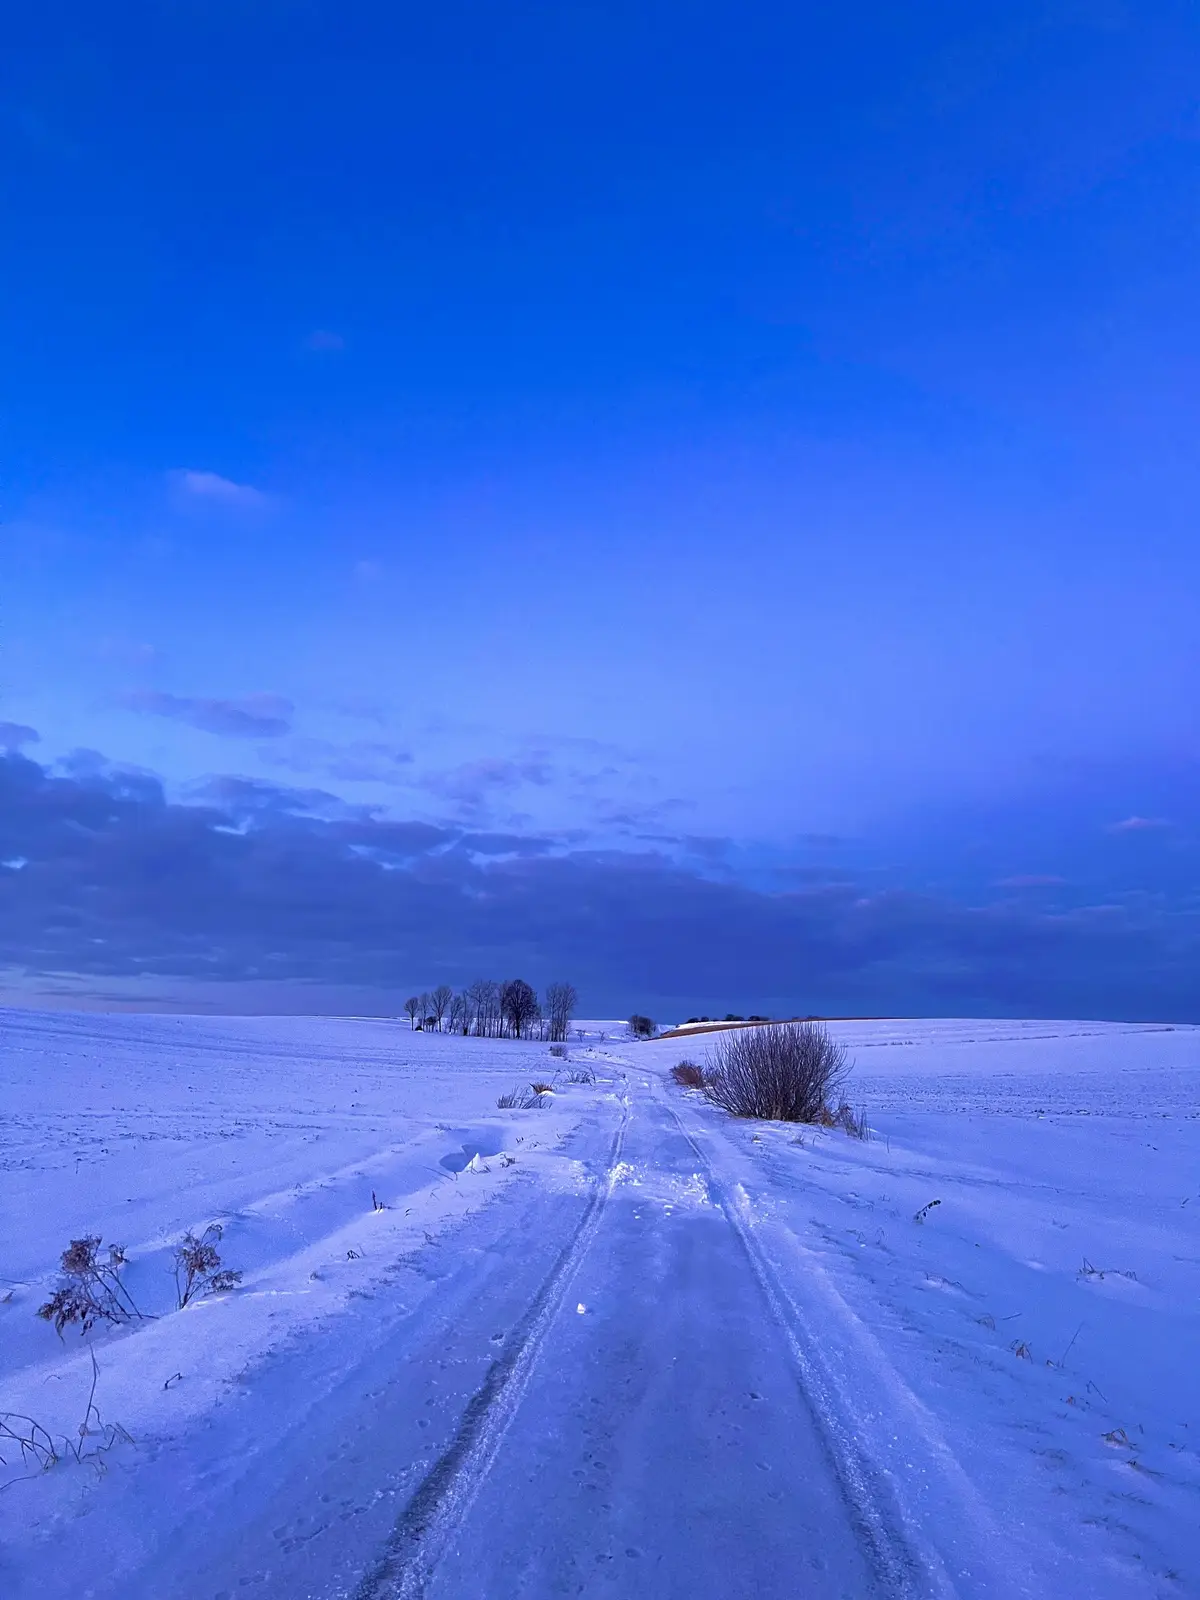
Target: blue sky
728,477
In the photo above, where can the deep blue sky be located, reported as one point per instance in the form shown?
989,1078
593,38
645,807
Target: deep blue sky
728,474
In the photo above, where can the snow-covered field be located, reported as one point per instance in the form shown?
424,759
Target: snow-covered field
622,1345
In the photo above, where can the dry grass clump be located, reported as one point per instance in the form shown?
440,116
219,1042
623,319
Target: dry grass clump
26,1444
521,1100
849,1121
90,1289
198,1269
792,1073
688,1075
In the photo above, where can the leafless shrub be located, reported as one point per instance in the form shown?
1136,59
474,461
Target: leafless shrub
91,1290
581,1075
559,1052
198,1269
688,1075
789,1073
641,1027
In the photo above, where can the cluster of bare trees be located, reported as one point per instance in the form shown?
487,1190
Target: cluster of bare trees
493,1010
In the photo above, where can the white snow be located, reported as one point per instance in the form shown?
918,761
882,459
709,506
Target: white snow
767,1360
289,1132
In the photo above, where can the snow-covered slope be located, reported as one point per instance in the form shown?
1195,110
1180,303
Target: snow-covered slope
621,1344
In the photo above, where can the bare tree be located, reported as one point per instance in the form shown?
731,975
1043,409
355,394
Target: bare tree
476,997
642,1027
519,1006
439,1001
460,1014
484,996
412,1006
424,1004
561,1001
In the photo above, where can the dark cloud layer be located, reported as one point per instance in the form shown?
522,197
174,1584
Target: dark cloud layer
106,878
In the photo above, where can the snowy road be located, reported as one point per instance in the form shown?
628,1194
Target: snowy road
599,1396
632,1348
651,1433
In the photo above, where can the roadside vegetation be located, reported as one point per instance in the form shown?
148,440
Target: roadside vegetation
794,1072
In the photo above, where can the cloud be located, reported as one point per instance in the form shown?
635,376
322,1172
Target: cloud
1139,825
503,844
1031,880
324,342
251,797
253,716
708,847
637,819
351,761
210,488
255,884
15,734
473,783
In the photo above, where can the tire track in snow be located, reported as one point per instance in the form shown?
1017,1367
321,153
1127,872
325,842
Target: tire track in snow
870,1496
906,1556
446,1493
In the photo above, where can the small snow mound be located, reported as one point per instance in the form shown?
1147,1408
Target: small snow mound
478,1145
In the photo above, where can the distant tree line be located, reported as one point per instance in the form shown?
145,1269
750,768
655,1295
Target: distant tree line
730,1016
491,1010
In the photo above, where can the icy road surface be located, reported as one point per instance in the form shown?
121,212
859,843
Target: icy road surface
620,1347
